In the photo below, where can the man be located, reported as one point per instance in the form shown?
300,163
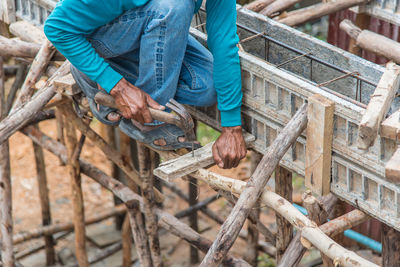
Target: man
141,53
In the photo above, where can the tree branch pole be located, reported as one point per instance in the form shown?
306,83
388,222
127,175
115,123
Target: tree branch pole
308,229
110,152
146,175
19,79
193,217
18,119
258,5
167,221
278,6
6,222
126,236
231,228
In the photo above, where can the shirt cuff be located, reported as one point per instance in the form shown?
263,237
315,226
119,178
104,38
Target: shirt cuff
108,79
231,118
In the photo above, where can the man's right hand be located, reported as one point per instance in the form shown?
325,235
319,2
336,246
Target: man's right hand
133,103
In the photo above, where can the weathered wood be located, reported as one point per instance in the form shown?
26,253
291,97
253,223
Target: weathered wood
305,226
392,168
344,222
258,5
378,106
319,144
284,188
27,32
44,202
138,232
199,205
76,193
66,85
319,215
22,115
116,157
18,48
193,218
372,42
362,21
6,222
19,79
166,220
190,162
146,175
103,254
126,236
390,246
38,66
390,128
231,228
7,11
318,10
277,6
61,227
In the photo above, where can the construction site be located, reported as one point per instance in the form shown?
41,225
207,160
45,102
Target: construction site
319,186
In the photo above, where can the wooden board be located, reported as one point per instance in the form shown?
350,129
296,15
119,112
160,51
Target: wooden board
392,168
390,128
189,162
7,11
319,144
378,106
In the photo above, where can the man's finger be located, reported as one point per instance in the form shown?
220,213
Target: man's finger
217,157
147,116
153,104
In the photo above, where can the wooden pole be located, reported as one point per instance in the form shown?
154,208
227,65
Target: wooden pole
319,10
76,193
22,115
146,175
283,187
44,202
258,5
126,243
139,233
19,79
167,221
390,246
278,6
362,21
231,228
193,218
6,222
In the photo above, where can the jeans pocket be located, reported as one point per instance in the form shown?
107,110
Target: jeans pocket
101,48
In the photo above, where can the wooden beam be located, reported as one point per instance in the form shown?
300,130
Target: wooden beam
390,239
390,128
277,6
27,32
378,106
319,144
7,11
231,228
190,162
67,85
258,5
392,168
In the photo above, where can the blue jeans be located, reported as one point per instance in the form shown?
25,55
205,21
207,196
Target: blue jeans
151,47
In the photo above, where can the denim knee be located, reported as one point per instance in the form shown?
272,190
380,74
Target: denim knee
175,11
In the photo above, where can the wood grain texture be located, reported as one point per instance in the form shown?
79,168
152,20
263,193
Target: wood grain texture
390,247
27,32
188,163
67,85
390,128
392,168
378,106
319,144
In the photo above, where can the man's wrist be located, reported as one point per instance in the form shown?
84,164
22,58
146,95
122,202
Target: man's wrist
232,129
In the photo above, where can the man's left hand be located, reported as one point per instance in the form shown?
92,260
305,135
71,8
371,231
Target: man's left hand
229,148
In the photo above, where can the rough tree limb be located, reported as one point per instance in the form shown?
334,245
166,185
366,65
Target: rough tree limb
231,228
258,5
277,6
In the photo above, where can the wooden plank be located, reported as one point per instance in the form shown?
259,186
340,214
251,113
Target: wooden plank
392,168
7,11
390,128
390,246
319,144
67,85
378,106
190,162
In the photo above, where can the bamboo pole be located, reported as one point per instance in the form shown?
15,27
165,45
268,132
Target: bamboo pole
44,202
6,222
231,228
283,187
147,177
76,193
22,115
167,221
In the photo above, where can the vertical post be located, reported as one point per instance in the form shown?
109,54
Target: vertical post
252,232
126,243
283,187
6,222
76,190
44,202
60,130
390,246
193,218
362,21
146,175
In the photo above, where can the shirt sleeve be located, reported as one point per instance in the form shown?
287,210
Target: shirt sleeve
222,42
72,20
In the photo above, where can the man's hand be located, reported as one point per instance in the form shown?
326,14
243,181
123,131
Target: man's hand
229,148
133,103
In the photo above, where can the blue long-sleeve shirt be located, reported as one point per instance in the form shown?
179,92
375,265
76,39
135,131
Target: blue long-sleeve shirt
72,20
